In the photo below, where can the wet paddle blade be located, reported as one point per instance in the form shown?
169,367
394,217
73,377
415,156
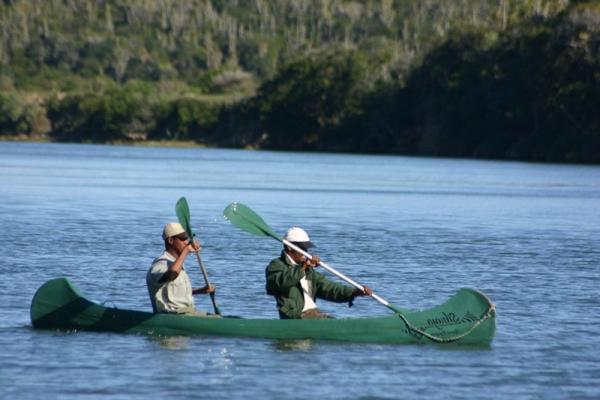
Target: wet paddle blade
183,215
247,220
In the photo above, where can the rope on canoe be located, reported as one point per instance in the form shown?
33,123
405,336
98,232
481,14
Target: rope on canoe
491,309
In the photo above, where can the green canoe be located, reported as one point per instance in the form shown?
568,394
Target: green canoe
468,317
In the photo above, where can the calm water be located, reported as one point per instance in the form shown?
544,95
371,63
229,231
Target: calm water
414,229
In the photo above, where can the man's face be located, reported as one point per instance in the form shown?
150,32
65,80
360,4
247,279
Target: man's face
296,256
179,242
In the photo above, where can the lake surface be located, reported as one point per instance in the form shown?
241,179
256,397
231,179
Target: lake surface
414,229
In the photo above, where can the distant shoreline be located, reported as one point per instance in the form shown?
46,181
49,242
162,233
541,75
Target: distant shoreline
192,144
136,143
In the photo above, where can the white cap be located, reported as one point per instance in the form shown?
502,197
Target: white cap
172,229
298,236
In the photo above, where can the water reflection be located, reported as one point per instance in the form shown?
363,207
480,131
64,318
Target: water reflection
293,345
171,342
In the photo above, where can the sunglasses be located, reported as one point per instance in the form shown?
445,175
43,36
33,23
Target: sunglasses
183,238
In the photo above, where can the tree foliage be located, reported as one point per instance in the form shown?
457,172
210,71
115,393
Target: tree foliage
184,119
309,96
505,79
529,95
107,116
174,39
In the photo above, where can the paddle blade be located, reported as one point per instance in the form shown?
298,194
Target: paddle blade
247,220
183,215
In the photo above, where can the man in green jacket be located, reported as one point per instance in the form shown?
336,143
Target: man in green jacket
294,283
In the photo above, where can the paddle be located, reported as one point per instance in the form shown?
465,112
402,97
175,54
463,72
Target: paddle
246,219
183,215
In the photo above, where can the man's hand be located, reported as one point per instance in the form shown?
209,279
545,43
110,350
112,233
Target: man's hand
205,290
311,263
193,246
367,291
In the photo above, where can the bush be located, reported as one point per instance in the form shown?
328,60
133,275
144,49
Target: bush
104,117
19,116
310,97
184,119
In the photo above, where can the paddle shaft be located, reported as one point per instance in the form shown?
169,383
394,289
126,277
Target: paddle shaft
205,275
244,218
338,274
183,215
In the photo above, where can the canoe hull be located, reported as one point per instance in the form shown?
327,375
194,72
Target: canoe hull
58,305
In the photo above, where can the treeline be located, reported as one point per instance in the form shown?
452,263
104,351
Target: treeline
491,79
529,93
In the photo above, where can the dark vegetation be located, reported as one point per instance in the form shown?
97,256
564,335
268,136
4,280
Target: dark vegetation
501,79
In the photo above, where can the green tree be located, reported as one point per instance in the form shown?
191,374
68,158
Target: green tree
97,117
184,119
309,97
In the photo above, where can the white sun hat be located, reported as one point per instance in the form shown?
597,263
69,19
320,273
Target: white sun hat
172,229
299,237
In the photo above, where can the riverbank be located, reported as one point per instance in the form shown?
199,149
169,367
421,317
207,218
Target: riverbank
136,143
191,144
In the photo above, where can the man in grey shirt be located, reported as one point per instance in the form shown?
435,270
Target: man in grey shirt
168,283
